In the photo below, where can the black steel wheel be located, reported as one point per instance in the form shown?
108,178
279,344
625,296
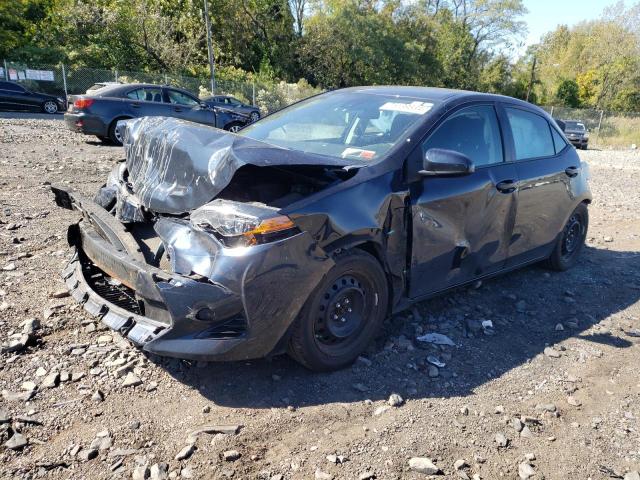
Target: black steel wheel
343,314
571,240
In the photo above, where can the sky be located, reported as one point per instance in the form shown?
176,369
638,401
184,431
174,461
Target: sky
545,15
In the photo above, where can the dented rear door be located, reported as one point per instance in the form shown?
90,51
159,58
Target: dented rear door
461,225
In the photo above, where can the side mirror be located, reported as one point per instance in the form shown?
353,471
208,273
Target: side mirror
204,106
438,161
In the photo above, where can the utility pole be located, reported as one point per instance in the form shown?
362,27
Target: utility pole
533,72
212,68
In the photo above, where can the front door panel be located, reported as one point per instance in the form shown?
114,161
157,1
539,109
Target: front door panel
461,228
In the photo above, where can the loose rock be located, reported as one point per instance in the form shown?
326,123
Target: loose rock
525,471
552,353
131,380
501,440
186,452
423,465
231,455
16,442
159,471
395,400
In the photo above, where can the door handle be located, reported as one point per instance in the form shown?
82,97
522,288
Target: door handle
177,109
507,186
135,105
572,171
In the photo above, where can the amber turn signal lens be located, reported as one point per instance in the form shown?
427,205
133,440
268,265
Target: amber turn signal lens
270,225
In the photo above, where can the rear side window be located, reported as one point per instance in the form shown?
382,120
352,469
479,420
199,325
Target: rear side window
531,134
146,94
473,131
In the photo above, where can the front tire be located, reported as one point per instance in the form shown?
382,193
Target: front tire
342,315
570,241
50,107
255,116
234,127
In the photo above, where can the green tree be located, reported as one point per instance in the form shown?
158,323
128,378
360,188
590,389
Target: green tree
567,94
601,56
22,23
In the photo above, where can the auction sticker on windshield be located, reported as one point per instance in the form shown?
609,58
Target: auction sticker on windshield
358,152
416,108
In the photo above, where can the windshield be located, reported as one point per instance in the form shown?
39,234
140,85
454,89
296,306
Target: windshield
346,124
574,126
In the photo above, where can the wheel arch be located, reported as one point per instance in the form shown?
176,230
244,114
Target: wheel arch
115,119
345,244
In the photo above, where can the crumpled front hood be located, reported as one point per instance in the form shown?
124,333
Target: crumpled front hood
175,166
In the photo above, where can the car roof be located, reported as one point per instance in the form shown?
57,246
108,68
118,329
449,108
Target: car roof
125,87
436,94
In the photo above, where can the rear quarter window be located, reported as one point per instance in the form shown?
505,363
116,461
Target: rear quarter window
531,134
558,141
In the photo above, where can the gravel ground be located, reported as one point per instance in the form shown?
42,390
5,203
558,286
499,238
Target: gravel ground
550,392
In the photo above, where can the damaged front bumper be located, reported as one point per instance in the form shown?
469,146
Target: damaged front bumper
241,310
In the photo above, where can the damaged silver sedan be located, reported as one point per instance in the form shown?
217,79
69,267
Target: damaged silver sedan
304,231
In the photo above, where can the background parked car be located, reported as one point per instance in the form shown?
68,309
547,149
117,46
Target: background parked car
14,96
560,123
99,85
97,113
232,103
576,133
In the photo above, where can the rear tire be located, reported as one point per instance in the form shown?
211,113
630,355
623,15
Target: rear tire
233,127
570,241
50,107
342,315
114,136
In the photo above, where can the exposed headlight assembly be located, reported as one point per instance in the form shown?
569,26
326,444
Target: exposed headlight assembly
242,224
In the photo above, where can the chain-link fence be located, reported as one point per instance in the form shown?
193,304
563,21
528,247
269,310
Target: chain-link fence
61,80
606,129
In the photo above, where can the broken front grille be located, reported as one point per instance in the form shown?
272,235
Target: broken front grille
111,290
232,328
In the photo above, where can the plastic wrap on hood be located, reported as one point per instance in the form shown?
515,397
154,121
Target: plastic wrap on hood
175,166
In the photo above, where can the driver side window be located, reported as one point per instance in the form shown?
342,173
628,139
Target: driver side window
473,131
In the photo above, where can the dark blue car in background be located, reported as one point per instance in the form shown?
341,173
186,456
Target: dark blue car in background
98,113
232,103
14,96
